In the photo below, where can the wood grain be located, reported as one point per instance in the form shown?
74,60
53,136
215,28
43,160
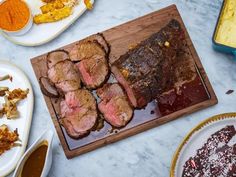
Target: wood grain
120,39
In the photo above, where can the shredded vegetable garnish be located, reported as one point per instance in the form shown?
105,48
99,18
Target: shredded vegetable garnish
9,108
2,78
7,139
88,4
3,91
17,94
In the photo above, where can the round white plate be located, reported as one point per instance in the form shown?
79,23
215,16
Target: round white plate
196,139
43,33
9,159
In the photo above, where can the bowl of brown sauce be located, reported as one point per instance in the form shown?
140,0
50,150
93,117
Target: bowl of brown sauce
37,160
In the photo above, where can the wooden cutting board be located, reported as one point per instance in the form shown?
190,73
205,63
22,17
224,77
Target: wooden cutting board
196,95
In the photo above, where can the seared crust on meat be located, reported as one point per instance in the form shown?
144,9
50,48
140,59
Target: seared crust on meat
99,37
48,88
156,65
56,56
86,49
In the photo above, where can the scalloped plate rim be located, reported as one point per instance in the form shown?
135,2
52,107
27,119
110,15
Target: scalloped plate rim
197,128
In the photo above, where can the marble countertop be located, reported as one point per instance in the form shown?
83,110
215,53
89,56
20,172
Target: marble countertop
147,154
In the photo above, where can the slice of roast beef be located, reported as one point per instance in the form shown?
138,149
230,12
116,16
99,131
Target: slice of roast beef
86,50
65,76
48,88
62,71
78,113
56,56
93,71
98,38
77,121
68,85
153,66
110,90
80,98
114,105
101,40
67,124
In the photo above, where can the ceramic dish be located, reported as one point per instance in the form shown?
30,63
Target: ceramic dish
216,45
196,138
9,159
23,30
46,136
43,33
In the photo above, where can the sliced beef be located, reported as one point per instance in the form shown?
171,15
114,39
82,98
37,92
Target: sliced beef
86,50
67,124
110,90
114,105
56,56
62,75
97,38
48,88
68,85
91,57
101,40
155,65
80,98
93,71
62,71
78,113
93,66
65,76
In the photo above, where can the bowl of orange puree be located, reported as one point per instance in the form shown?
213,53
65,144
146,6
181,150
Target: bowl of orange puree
16,18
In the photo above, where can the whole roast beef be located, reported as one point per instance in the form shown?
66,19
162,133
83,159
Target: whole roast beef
155,65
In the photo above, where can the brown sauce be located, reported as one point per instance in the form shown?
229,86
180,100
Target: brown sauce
190,94
34,164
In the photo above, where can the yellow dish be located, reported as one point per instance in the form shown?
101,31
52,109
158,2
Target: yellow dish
226,28
53,16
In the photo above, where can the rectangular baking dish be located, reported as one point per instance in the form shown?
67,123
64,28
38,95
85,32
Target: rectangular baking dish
216,45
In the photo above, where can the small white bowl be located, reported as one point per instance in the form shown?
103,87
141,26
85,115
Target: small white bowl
23,30
47,136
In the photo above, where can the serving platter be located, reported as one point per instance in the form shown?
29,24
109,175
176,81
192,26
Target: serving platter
196,95
195,139
43,33
9,159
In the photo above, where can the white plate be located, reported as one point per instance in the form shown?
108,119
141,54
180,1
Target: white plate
9,159
43,33
196,139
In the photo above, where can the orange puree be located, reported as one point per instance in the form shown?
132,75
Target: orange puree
14,15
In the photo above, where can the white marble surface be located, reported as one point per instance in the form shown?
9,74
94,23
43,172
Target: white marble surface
147,154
